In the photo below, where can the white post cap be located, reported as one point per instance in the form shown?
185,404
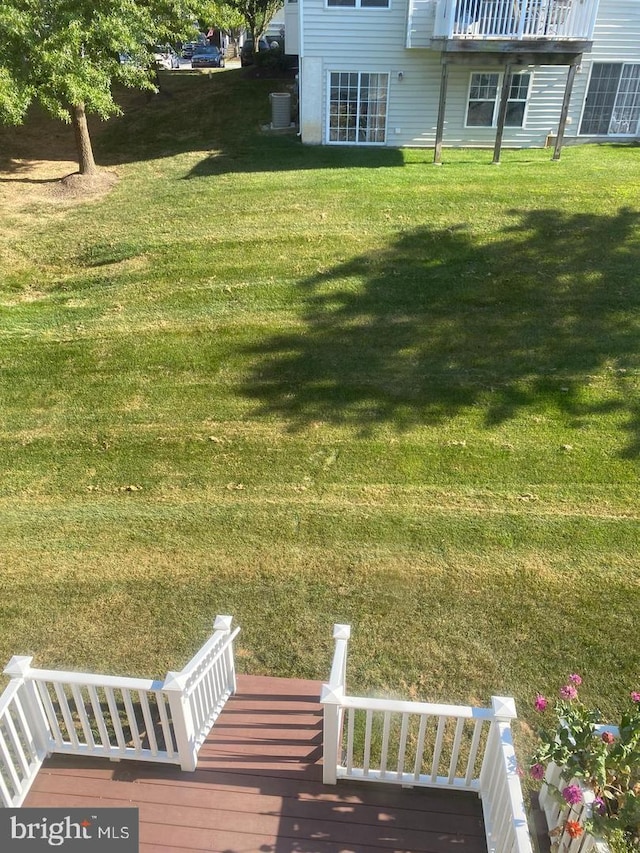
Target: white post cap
18,666
504,707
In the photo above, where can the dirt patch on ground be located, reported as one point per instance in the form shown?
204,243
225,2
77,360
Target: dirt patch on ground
37,163
37,180
77,187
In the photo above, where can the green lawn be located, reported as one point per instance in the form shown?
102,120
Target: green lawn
306,386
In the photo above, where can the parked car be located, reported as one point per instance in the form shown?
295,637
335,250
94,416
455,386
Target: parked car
246,52
207,56
189,48
165,56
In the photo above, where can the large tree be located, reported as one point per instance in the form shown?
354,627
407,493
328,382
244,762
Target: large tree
221,15
65,54
257,14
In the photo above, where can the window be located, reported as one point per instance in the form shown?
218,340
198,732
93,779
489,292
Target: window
612,105
360,4
358,107
484,99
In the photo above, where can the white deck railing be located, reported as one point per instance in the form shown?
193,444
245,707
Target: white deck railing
203,687
46,711
505,818
22,748
516,19
429,745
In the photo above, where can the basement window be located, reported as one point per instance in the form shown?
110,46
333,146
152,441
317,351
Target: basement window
484,99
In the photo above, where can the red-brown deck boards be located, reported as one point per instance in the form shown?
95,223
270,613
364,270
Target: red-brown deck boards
258,789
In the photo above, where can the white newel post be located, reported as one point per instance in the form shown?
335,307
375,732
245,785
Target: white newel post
331,697
182,719
19,667
331,700
502,800
223,624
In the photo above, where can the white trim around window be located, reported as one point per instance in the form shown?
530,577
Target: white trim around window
483,99
357,103
371,5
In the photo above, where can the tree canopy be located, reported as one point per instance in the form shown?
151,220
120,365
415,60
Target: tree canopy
65,54
222,15
257,14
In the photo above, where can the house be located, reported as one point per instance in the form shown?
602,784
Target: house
516,73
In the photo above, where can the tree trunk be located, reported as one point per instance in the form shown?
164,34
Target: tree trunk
83,140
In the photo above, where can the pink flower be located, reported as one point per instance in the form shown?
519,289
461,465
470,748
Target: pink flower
568,692
635,696
541,703
599,806
572,794
574,678
537,772
607,737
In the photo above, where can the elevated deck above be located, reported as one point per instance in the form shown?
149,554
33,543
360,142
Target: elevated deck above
534,26
516,20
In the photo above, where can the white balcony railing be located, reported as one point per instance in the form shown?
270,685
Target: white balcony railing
46,711
419,744
516,19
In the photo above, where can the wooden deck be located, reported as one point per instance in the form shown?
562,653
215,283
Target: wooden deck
258,789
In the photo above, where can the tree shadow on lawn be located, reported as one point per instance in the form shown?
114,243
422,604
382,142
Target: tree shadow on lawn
223,114
435,323
265,153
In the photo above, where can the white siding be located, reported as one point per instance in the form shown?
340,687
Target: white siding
291,28
346,39
617,33
541,116
357,35
545,102
421,19
413,101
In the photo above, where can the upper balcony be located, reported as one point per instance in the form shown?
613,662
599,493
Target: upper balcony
530,21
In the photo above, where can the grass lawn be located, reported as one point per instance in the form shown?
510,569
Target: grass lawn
306,386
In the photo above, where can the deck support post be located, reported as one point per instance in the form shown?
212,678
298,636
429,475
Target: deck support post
502,112
437,152
571,76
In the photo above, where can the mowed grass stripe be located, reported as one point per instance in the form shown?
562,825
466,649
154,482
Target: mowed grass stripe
314,385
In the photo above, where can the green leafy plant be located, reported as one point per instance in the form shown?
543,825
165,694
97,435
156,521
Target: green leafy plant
599,764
